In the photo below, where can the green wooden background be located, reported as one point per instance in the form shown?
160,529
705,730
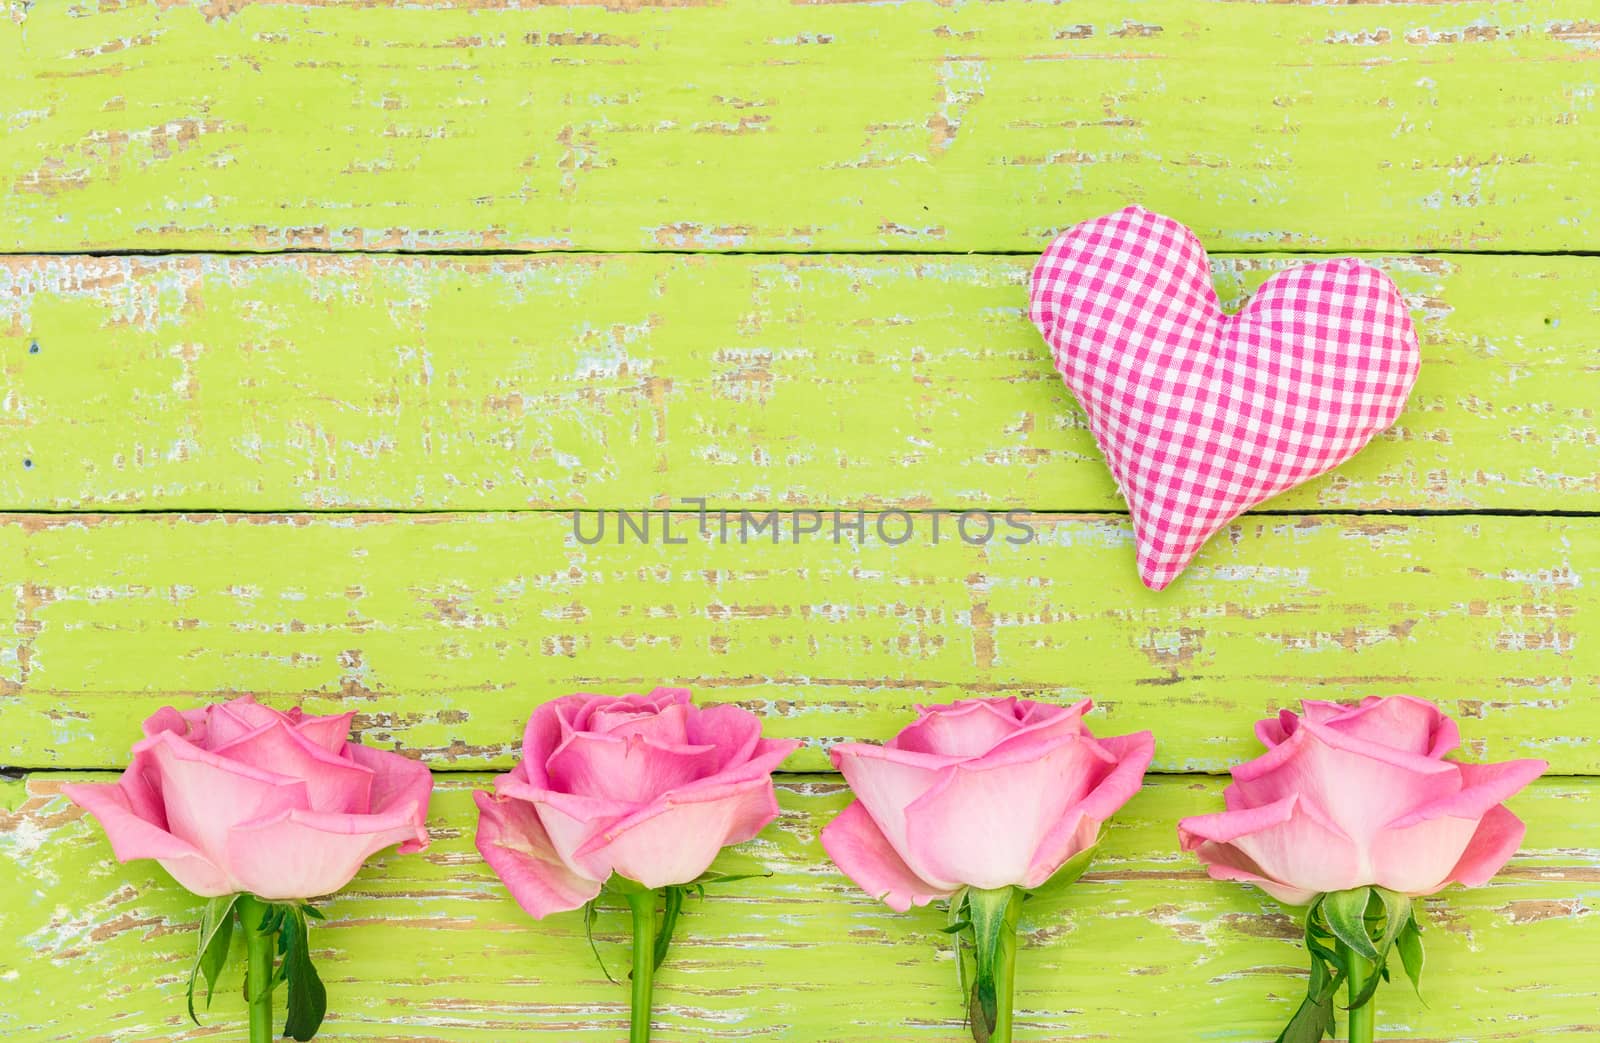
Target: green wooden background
319,319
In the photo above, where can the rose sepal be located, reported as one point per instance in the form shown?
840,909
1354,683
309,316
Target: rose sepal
277,952
1349,936
973,916
1068,874
216,937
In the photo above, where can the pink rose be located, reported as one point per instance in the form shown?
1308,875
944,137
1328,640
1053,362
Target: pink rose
985,793
239,797
1348,797
649,787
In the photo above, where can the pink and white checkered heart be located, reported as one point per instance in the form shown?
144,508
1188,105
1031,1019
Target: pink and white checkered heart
1200,414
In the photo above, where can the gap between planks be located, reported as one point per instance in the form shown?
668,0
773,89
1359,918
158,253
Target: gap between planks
745,508
198,251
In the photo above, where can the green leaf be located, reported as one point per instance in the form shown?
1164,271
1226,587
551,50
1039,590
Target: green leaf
616,883
1410,945
307,999
1068,874
1368,990
987,909
708,877
1396,912
981,1033
733,865
590,912
672,905
1313,1019
1323,952
1346,913
216,934
956,923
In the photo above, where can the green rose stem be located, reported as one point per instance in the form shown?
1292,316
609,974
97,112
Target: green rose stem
993,915
259,945
1362,1018
643,904
1005,972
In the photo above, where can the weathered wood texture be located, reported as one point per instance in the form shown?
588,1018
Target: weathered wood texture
630,381
445,631
756,124
429,947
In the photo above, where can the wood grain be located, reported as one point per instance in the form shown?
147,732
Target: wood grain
429,947
444,631
628,125
299,382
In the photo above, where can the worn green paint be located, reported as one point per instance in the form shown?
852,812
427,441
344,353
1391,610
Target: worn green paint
444,631
759,124
632,381
430,948
488,385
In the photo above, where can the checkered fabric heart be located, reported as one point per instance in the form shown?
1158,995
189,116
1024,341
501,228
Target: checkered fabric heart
1200,414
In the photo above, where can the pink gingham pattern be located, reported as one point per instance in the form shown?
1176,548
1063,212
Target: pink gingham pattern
1202,415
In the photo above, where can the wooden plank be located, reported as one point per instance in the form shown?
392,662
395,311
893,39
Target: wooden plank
750,124
1146,948
286,383
444,631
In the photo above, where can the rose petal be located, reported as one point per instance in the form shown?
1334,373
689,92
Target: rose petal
1482,787
965,729
549,723
189,724
205,796
332,783
512,839
1042,724
571,821
1074,833
886,781
662,697
133,837
1399,721
1272,731
634,769
1491,847
600,712
1008,706
397,782
733,730
1080,827
1360,785
1225,862
673,840
331,732
226,722
1417,859
1319,710
861,851
1417,852
1290,842
983,821
668,727
302,854
1132,754
766,758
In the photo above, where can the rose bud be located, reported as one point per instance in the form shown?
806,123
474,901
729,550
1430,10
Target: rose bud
259,811
981,802
637,794
1355,811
